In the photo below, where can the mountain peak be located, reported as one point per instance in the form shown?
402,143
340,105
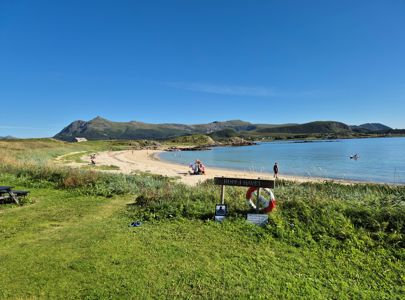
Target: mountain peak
99,119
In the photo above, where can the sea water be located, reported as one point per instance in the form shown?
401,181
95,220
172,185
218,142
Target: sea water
380,159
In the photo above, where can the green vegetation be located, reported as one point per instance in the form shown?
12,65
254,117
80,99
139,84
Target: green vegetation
309,128
100,167
108,168
76,157
194,140
224,134
72,238
41,151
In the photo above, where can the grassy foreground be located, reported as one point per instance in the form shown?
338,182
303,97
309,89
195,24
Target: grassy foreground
72,239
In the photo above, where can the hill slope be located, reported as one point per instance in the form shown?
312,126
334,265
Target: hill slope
102,129
308,128
8,137
371,127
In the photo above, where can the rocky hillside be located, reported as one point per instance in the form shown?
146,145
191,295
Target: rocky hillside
102,129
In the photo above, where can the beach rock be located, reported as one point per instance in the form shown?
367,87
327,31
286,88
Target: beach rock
234,142
196,148
237,141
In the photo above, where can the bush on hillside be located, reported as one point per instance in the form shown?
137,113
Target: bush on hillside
330,214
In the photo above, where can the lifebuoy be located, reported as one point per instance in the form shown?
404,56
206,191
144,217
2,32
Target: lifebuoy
268,205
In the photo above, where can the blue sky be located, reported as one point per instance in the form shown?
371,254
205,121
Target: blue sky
200,61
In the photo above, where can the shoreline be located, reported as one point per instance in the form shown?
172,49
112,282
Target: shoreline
296,178
133,161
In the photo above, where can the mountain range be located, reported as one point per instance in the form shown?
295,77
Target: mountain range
102,129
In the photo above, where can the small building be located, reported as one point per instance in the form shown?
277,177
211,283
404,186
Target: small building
80,139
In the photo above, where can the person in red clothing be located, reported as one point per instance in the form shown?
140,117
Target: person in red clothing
202,168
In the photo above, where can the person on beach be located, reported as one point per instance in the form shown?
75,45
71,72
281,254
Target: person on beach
275,170
197,168
202,168
93,159
194,169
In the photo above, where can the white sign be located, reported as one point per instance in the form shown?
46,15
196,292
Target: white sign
258,219
219,218
221,210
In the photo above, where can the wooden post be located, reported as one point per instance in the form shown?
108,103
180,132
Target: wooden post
258,200
222,194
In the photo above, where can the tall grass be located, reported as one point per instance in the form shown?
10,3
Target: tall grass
363,215
333,215
30,164
359,215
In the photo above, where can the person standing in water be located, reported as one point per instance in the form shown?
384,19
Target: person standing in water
275,170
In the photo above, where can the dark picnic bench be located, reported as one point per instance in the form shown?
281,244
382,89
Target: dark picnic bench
6,193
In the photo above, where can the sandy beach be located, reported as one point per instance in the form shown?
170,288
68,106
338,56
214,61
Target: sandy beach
148,161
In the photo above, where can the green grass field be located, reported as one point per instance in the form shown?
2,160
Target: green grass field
72,239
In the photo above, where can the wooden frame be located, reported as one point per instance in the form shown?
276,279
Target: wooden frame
246,182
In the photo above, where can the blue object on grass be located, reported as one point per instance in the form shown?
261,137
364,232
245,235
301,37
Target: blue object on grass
136,224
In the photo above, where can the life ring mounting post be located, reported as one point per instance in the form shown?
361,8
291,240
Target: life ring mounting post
258,199
245,182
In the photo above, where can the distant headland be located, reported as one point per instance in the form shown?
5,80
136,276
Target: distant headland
102,129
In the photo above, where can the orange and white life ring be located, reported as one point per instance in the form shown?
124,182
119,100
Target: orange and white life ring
268,204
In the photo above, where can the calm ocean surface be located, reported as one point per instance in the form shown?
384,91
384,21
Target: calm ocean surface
381,159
